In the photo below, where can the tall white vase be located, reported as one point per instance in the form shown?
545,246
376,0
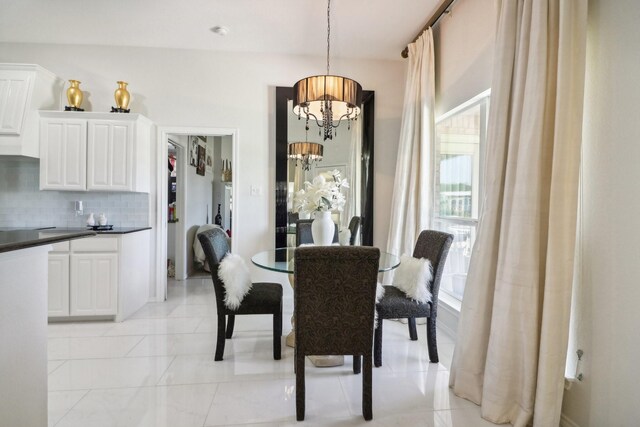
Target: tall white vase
322,229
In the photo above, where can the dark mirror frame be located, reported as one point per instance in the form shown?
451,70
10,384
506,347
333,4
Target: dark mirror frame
283,95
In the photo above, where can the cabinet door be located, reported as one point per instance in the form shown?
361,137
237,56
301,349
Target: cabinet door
94,284
14,92
63,154
110,155
58,298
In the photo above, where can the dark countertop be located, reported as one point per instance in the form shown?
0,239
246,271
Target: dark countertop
116,230
23,239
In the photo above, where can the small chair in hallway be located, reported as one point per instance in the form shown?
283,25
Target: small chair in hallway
434,246
263,298
334,308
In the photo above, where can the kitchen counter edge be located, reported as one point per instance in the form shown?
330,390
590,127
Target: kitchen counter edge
117,230
23,239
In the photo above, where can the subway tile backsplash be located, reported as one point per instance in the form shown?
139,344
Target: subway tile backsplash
22,204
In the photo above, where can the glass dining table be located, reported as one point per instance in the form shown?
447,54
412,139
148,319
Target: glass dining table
281,260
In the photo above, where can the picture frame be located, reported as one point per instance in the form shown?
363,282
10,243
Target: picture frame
193,151
200,169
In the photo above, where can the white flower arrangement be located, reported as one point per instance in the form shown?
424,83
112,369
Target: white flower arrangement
322,194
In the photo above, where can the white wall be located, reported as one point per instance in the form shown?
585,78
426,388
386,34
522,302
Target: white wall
610,321
236,90
463,42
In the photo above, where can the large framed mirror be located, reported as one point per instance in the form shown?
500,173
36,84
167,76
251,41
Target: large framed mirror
351,152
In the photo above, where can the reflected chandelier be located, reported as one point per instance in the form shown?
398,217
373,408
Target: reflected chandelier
327,99
305,153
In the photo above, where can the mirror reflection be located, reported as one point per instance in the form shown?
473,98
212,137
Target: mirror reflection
350,152
343,153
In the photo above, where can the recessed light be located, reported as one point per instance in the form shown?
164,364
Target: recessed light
220,30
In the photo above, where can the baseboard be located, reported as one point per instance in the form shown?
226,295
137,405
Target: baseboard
448,318
567,422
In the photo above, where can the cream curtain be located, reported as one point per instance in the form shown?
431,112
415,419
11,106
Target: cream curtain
512,335
413,185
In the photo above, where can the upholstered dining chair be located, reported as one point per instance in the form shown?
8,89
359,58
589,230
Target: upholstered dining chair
434,246
263,298
334,308
303,232
354,228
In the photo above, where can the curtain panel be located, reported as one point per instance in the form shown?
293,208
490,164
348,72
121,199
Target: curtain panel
413,185
513,329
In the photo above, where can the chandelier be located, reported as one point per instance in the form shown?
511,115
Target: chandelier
327,99
305,153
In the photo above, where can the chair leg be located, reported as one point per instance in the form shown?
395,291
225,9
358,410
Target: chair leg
220,342
277,335
431,339
357,363
230,323
367,380
300,391
377,345
413,333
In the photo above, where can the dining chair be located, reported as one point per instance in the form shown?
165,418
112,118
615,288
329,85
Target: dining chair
263,298
434,246
303,232
334,302
354,228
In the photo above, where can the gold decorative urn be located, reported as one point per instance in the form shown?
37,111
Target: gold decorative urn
74,96
122,97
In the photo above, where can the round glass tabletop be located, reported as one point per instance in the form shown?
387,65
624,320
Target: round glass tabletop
281,260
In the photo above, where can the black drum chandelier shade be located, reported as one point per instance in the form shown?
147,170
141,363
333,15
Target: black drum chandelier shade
305,153
327,99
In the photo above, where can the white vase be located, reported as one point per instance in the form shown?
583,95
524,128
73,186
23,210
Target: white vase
91,220
322,229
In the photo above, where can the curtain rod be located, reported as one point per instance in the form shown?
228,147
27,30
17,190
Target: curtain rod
442,8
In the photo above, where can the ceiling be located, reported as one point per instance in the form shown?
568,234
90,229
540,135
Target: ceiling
359,28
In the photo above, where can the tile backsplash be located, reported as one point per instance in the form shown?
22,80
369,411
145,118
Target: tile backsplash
22,204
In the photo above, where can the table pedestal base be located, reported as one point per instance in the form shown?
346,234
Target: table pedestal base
326,361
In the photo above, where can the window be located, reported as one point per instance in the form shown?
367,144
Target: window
460,141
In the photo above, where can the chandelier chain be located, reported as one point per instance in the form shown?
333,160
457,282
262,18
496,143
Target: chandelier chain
328,32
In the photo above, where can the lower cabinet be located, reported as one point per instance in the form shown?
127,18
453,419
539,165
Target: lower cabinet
59,284
93,284
106,276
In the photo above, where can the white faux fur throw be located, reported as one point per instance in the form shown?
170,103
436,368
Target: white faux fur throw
236,279
413,276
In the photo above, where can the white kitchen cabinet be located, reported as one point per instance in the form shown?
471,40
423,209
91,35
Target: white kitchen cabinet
93,284
63,154
117,154
58,298
106,276
24,89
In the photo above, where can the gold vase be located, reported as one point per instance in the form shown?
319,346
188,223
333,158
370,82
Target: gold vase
74,94
122,95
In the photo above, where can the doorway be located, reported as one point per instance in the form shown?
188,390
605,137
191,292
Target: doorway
205,163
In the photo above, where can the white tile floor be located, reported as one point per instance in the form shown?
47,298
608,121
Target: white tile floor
156,369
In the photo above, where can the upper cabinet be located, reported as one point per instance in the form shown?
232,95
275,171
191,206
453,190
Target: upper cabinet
94,151
24,89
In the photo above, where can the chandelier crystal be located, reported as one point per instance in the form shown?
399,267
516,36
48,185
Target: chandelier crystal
327,99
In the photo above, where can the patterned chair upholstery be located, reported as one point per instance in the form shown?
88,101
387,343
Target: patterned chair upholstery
303,232
354,228
263,298
433,245
334,308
